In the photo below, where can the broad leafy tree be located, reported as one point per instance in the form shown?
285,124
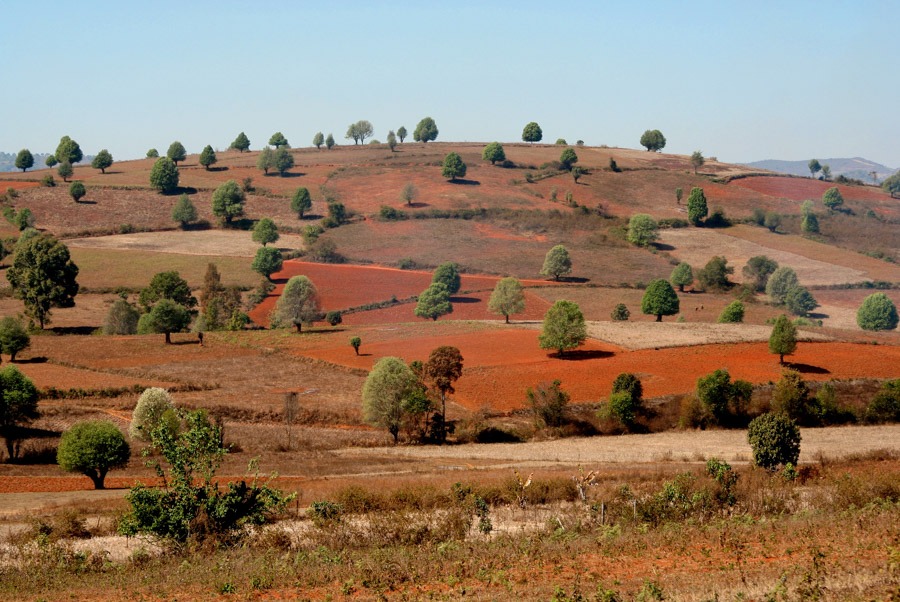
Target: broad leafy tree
568,158
329,142
563,327
207,157
443,368
532,132
265,231
877,312
386,393
318,140
757,271
301,202
557,263
660,300
176,152
43,276
153,154
425,131
682,276
783,340
121,319
13,337
775,441
68,151
24,160
721,397
832,198
359,131
167,285
507,298
714,275
149,412
77,190
697,161
434,302
65,171
810,223
780,283
800,301
268,260
298,303
493,152
184,211
696,206
278,140
266,159
620,313
18,407
626,399
402,134
93,448
453,167
653,140
814,167
642,230
50,161
165,317
102,161
284,160
164,175
241,143
228,201
448,274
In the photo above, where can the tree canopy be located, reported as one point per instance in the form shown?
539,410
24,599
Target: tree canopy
301,202
65,170
568,158
228,201
149,412
697,208
891,184
102,161
832,198
241,143
385,393
266,159
167,285
660,300
184,211
782,280
13,337
278,140
43,276
68,151
443,368
557,262
401,133
757,271
493,152
732,314
425,131
783,340
653,140
18,406
434,302
714,275
448,274
329,142
93,448
563,327
207,157
697,160
814,167
298,303
24,160
532,132
318,140
165,317
507,298
267,261
164,175
176,152
77,190
642,230
283,161
453,167
682,275
265,231
877,312
359,131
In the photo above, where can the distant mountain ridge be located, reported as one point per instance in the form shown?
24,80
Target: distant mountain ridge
8,161
857,167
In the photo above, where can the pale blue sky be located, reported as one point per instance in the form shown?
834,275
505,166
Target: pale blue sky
741,81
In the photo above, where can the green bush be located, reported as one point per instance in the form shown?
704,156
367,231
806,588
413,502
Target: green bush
732,314
620,313
775,440
885,406
93,448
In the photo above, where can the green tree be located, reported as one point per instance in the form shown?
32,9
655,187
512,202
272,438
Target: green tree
409,193
385,393
810,224
355,342
301,202
775,441
772,221
532,132
758,270
877,312
167,285
329,142
425,131
278,140
448,274
493,152
401,133
184,211
660,300
682,276
800,301
153,154
826,172
563,327
93,448
626,399
50,161
18,407
267,261
24,160
653,140
241,143
577,172
165,318
732,314
885,405
620,313
443,368
434,302
642,230
266,159
780,283
832,198
507,298
337,214
102,161
783,340
392,140
122,318
453,167
697,161
164,175
814,167
284,160
298,303
228,201
678,194
207,157
65,171
561,142
568,158
265,231
43,276
791,397
149,412
557,263
13,337
891,185
714,275
359,131
697,209
721,397
318,140
77,190
68,151
176,152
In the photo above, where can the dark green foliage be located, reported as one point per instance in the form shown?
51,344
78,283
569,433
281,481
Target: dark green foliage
810,224
401,133
329,142
568,158
65,171
77,190
43,276
152,154
434,302
241,143
757,271
577,172
877,312
642,230
626,399
122,318
653,140
18,407
318,140
284,160
697,208
775,440
184,211
355,342
493,152
13,337
191,504
532,132
165,318
102,161
24,160
207,157
50,161
392,140
265,231
164,175
278,140
448,274
714,275
176,152
228,201
885,406
780,283
791,397
722,398
891,185
832,198
783,340
682,276
453,167
68,151
660,300
557,262
425,130
814,167
167,285
24,219
334,318
563,327
93,449
800,301
732,314
220,306
391,214
337,215
620,313
614,167
549,404
267,261
48,181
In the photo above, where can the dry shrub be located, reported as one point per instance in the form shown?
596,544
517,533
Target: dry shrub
851,491
272,538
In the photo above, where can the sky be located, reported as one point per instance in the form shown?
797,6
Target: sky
739,81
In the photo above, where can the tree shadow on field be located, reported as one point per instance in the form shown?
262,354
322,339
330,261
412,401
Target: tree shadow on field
83,330
661,246
464,300
573,279
464,182
818,316
416,205
40,359
86,202
223,168
807,369
578,355
183,190
291,174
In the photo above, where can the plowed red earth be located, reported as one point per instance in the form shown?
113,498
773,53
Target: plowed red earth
800,189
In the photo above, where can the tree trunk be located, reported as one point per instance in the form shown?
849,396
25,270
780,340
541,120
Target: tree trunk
98,477
659,317
781,358
299,326
395,433
168,338
507,318
356,349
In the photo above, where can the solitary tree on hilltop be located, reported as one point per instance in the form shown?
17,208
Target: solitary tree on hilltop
532,132
557,263
697,161
783,340
24,160
426,130
453,167
329,142
176,152
207,157
508,298
401,133
814,167
241,143
563,327
660,300
493,152
278,140
653,140
43,276
392,140
102,161
153,154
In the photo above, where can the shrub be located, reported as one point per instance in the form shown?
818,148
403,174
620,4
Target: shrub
620,313
149,412
791,398
877,312
122,318
13,337
93,448
732,314
775,440
885,406
48,181
714,276
549,403
334,318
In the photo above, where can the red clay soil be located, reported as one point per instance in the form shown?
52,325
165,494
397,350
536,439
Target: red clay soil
471,306
16,185
800,189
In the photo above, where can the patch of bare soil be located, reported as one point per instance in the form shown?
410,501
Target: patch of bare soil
200,242
656,335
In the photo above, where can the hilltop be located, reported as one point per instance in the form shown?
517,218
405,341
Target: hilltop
857,168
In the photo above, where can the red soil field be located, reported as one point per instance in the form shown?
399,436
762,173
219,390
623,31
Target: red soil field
15,185
470,306
800,189
62,377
